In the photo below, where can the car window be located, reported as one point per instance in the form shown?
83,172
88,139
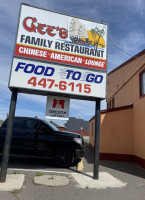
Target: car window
19,127
54,128
31,125
19,124
4,125
44,129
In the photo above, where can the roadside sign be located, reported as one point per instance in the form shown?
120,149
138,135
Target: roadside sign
57,108
55,37
57,54
47,78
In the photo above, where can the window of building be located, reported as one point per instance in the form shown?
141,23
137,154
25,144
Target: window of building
110,104
142,83
113,103
107,105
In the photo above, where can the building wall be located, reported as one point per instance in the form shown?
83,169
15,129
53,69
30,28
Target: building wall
113,137
138,119
123,132
128,94
125,95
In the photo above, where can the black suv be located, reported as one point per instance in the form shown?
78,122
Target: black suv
40,138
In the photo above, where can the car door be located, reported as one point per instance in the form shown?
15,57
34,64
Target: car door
18,130
46,140
23,140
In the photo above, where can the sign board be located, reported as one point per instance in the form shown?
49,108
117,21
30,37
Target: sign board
57,108
47,77
54,37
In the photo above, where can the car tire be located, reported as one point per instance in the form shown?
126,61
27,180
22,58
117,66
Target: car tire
76,161
63,157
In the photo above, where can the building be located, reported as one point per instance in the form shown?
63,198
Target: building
61,127
77,125
123,123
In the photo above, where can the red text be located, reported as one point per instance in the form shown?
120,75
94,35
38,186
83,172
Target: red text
31,25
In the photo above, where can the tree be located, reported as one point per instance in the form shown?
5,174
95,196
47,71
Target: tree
96,31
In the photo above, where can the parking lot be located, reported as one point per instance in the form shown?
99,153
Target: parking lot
132,175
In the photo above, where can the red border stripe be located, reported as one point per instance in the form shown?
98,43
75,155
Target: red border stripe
48,58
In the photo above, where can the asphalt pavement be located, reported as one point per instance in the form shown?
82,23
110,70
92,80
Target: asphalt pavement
132,175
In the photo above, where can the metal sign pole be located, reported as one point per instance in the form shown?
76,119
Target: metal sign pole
97,140
6,151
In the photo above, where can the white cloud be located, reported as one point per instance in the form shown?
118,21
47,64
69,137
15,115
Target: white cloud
137,6
103,105
38,99
133,41
2,117
81,108
126,33
4,74
29,113
7,39
4,109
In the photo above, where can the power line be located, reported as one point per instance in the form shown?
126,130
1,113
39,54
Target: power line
119,47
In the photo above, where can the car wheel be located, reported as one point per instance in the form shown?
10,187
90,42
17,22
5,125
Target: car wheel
76,161
63,157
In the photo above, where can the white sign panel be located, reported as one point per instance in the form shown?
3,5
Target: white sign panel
38,76
57,108
55,37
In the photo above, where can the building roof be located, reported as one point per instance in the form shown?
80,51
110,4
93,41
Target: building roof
126,62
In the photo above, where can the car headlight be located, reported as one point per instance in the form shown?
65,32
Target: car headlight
78,140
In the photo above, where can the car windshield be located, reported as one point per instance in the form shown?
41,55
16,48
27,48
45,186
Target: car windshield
54,128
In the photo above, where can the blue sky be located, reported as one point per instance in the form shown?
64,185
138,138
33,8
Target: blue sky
126,21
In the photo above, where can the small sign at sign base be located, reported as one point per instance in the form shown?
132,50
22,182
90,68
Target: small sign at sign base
57,108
